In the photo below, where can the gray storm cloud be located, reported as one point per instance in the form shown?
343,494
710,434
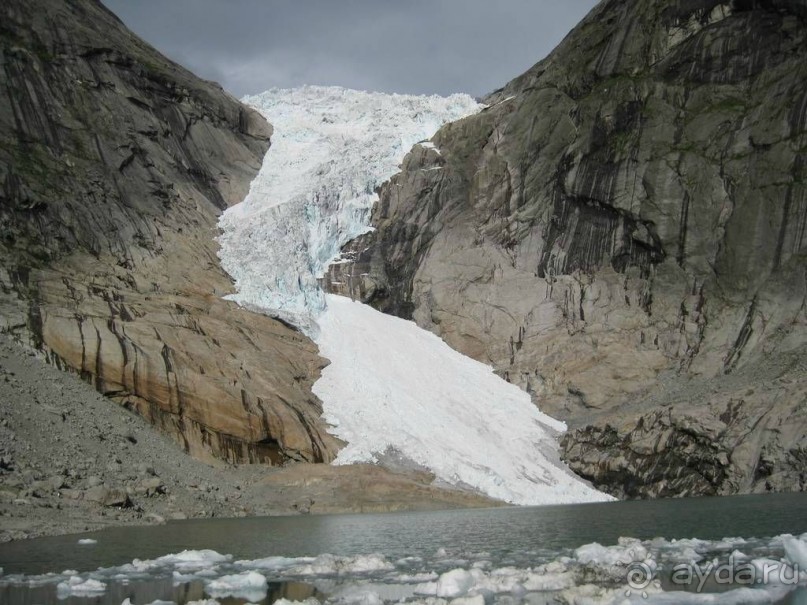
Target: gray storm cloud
411,46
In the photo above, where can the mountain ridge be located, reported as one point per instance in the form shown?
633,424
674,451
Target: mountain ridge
115,164
623,225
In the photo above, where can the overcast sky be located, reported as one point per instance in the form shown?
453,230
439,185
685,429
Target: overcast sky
408,46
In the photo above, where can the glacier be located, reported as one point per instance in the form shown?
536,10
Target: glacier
331,148
391,389
394,388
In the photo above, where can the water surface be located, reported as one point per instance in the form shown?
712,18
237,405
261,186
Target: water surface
416,542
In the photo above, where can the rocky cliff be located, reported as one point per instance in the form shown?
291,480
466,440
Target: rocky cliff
114,165
622,233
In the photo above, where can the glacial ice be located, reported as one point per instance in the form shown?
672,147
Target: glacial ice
622,554
456,583
331,148
796,550
250,585
308,601
77,587
322,565
391,388
187,562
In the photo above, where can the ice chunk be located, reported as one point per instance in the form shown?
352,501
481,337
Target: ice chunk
474,600
187,562
77,586
192,560
358,595
516,581
308,601
547,580
417,578
249,585
87,542
621,554
796,551
454,583
367,563
326,565
274,563
372,580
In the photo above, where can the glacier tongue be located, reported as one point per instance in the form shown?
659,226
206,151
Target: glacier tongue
391,387
394,387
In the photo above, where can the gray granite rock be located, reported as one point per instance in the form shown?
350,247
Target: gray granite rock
114,166
628,215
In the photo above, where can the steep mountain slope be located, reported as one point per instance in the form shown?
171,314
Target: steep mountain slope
114,165
622,233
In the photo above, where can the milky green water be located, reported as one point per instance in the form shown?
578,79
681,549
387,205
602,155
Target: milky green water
503,532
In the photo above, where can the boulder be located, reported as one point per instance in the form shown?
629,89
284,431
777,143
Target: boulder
150,486
105,496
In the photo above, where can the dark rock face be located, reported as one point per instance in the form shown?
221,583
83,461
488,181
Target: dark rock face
737,433
625,218
114,165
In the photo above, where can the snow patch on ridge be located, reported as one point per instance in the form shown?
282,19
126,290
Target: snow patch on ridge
391,388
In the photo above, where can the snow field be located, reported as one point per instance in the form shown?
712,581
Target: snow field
393,387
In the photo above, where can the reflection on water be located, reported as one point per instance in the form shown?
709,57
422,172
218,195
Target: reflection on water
506,533
151,590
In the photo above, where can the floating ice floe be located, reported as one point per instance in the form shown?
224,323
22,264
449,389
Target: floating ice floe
309,601
76,586
183,566
592,573
250,585
321,566
796,551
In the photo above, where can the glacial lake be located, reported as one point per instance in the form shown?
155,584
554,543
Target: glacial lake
414,550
